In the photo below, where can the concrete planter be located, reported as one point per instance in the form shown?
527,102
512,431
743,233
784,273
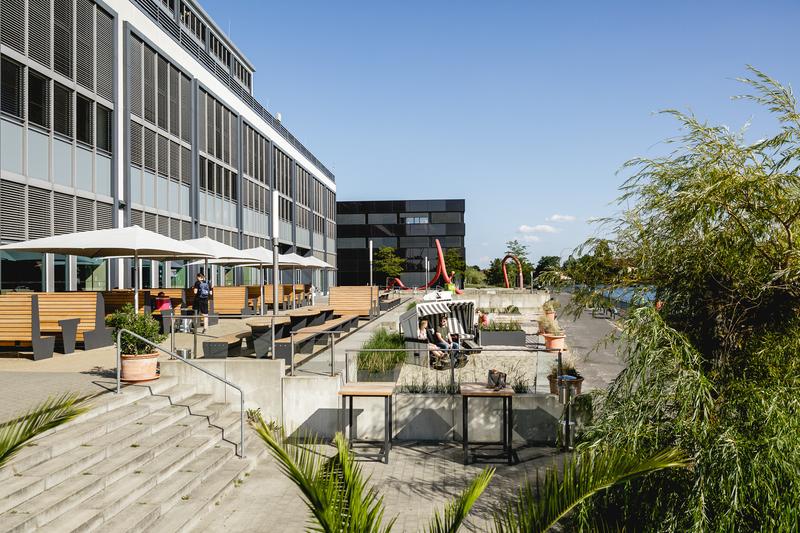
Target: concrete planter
390,376
502,338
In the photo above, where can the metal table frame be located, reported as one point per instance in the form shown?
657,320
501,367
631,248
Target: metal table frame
508,425
347,398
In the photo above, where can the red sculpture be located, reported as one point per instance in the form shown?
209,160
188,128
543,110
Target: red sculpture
441,270
519,267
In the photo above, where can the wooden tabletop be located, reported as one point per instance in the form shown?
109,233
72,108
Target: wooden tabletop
308,311
480,389
369,388
267,321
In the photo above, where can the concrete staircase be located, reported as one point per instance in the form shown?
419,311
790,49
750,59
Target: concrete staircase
155,458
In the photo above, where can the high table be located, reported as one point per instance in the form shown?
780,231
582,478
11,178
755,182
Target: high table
375,389
480,390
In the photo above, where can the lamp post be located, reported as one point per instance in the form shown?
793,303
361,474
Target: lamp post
275,266
427,269
370,262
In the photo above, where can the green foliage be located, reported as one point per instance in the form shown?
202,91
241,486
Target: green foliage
411,305
141,324
47,415
551,327
382,362
455,262
336,491
474,277
388,263
494,273
547,262
584,475
502,325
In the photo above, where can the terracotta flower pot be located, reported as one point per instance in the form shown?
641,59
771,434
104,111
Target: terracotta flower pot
139,367
554,342
550,314
554,385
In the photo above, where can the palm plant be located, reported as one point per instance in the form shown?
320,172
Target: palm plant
584,475
335,490
47,415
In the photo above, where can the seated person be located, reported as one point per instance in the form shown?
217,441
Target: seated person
424,334
162,302
443,338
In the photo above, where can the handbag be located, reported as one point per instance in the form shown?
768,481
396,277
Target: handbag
497,379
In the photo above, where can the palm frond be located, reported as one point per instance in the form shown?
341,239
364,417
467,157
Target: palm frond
456,511
47,415
584,475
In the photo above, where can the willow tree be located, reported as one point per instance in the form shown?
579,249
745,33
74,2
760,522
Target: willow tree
709,232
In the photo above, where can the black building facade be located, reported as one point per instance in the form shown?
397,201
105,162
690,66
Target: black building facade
409,226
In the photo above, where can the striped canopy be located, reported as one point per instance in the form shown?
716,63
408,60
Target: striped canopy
460,315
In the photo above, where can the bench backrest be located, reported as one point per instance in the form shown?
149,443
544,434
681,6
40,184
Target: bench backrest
284,293
16,321
117,299
356,300
230,300
55,306
175,295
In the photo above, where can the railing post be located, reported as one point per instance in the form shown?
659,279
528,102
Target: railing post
172,333
241,425
119,359
194,327
272,337
291,353
333,357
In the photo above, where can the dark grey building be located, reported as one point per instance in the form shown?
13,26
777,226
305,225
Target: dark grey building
409,226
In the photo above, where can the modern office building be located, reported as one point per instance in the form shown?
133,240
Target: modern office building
409,226
121,112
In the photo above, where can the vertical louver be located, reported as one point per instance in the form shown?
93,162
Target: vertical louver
186,105
149,149
12,210
136,144
63,213
174,101
38,99
174,160
39,31
150,222
163,226
162,109
13,87
186,166
204,127
149,85
62,37
175,228
105,55
84,43
12,24
84,213
103,127
105,215
62,110
186,230
163,155
135,73
137,218
38,216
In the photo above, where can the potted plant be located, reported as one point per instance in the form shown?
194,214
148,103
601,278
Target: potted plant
567,369
502,333
139,359
553,335
549,309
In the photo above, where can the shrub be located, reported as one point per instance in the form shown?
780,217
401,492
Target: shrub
511,325
567,368
382,362
551,327
143,325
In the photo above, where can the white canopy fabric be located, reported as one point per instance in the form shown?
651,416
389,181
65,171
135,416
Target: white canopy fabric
314,262
292,260
116,242
222,252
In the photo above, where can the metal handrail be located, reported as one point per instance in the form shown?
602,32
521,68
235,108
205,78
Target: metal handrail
332,334
240,453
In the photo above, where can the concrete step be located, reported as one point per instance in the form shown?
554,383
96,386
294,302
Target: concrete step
48,489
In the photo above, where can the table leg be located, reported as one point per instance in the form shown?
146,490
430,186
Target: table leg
391,421
465,427
386,429
510,429
350,423
340,422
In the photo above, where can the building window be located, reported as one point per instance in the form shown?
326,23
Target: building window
83,119
414,218
11,97
38,101
62,110
103,128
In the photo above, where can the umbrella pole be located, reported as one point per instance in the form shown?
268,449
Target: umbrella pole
261,271
136,282
275,276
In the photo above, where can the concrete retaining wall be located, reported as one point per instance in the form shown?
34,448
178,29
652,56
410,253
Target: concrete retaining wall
502,298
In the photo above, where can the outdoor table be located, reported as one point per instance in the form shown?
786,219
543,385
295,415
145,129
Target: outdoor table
307,316
480,390
261,337
374,389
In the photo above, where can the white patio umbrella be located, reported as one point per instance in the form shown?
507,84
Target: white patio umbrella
130,241
219,253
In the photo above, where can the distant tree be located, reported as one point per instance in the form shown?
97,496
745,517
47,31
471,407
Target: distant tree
388,263
519,250
455,262
474,276
547,262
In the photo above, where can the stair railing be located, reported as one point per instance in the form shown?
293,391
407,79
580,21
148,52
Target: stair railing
240,448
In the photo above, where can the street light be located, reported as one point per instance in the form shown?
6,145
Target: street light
275,266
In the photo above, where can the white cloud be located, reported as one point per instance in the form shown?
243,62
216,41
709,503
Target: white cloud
538,228
560,218
531,238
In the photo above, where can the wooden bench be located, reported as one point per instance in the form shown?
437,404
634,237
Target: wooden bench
117,299
341,324
229,301
261,329
76,317
177,299
19,324
220,347
388,302
361,301
304,339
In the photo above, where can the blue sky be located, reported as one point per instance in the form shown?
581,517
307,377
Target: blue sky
526,109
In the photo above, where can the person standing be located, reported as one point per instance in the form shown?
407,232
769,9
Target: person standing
202,292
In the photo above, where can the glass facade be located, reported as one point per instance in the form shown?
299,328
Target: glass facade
411,227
